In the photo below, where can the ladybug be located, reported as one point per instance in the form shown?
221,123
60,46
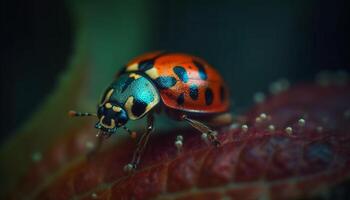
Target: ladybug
183,86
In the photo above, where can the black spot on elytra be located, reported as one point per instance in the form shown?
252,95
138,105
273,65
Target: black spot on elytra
138,107
146,65
165,82
201,70
208,96
194,92
181,99
181,73
127,83
222,94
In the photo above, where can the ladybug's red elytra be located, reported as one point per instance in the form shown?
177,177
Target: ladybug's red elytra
183,86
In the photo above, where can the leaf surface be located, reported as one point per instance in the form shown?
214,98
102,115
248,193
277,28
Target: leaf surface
312,161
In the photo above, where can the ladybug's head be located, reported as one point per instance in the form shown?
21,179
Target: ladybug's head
111,116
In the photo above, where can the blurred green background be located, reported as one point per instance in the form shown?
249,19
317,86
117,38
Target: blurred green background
252,43
60,55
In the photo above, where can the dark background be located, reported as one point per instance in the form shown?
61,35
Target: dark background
251,44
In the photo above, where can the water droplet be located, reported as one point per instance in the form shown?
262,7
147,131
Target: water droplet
319,129
234,126
258,120
179,137
36,156
289,130
259,97
263,116
89,145
128,168
204,136
244,128
279,86
301,122
94,195
178,144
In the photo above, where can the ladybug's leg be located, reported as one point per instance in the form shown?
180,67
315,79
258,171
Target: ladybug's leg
141,144
207,133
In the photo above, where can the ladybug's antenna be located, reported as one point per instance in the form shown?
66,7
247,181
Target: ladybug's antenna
73,113
131,133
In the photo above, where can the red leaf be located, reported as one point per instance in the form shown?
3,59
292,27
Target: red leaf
257,163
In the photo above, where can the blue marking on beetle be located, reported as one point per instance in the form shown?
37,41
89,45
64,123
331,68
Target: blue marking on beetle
208,96
181,73
181,99
165,82
146,65
194,91
141,89
201,70
144,96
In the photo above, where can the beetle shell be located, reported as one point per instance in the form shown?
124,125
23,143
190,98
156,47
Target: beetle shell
186,83
135,93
